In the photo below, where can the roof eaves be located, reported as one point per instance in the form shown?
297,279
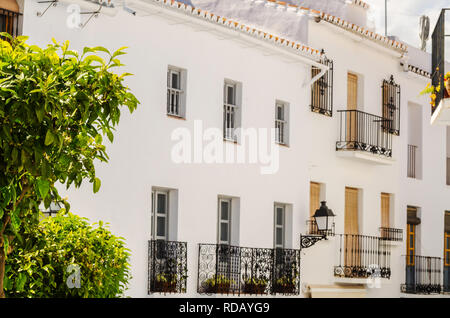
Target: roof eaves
378,38
294,46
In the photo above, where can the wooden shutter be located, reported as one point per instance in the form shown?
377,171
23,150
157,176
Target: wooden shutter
352,91
314,197
385,208
314,204
352,98
351,211
352,244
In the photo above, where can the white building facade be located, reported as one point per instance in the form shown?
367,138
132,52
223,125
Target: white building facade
329,110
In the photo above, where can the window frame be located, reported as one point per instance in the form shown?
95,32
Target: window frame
155,214
410,250
177,110
282,123
231,111
227,221
278,226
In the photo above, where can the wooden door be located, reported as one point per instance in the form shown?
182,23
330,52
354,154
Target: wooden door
351,243
314,204
352,104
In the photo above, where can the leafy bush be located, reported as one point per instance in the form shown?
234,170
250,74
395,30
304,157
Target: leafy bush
39,267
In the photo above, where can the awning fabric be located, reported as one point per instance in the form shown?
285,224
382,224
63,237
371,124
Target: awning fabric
412,217
10,5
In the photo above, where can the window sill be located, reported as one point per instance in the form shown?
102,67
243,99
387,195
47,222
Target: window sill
281,144
230,140
176,117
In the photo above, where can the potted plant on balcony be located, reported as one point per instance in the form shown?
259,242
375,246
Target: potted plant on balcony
255,286
285,285
432,90
166,283
218,284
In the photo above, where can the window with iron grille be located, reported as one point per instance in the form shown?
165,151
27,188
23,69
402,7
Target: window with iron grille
10,22
281,123
322,90
231,110
176,91
391,106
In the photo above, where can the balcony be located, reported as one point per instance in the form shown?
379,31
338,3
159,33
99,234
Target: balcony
362,256
423,275
440,111
364,136
167,267
391,234
10,22
226,269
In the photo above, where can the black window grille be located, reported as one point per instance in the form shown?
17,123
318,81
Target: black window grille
438,59
10,22
391,106
322,90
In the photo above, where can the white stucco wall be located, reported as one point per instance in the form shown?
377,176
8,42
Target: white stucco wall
140,155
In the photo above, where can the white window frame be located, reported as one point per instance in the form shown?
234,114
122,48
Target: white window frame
155,215
220,222
230,110
282,124
279,226
174,93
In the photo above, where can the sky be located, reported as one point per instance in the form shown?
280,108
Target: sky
403,18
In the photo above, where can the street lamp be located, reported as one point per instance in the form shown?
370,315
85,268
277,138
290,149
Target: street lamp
52,209
324,221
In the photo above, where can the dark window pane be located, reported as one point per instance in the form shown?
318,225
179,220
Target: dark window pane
224,232
280,114
230,95
161,203
224,210
175,80
161,226
279,216
279,236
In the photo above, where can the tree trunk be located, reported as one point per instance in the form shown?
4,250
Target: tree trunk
2,271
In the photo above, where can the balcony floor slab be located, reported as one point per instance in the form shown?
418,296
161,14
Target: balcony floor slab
365,157
441,115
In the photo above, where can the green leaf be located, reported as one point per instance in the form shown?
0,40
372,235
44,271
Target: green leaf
43,187
97,184
49,138
40,114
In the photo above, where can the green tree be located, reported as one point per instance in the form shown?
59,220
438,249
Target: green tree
55,106
41,266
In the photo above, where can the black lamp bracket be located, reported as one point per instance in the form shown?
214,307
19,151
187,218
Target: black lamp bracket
309,240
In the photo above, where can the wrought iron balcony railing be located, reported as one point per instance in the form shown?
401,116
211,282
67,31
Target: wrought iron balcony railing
363,256
423,275
391,234
226,269
365,132
167,272
10,22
